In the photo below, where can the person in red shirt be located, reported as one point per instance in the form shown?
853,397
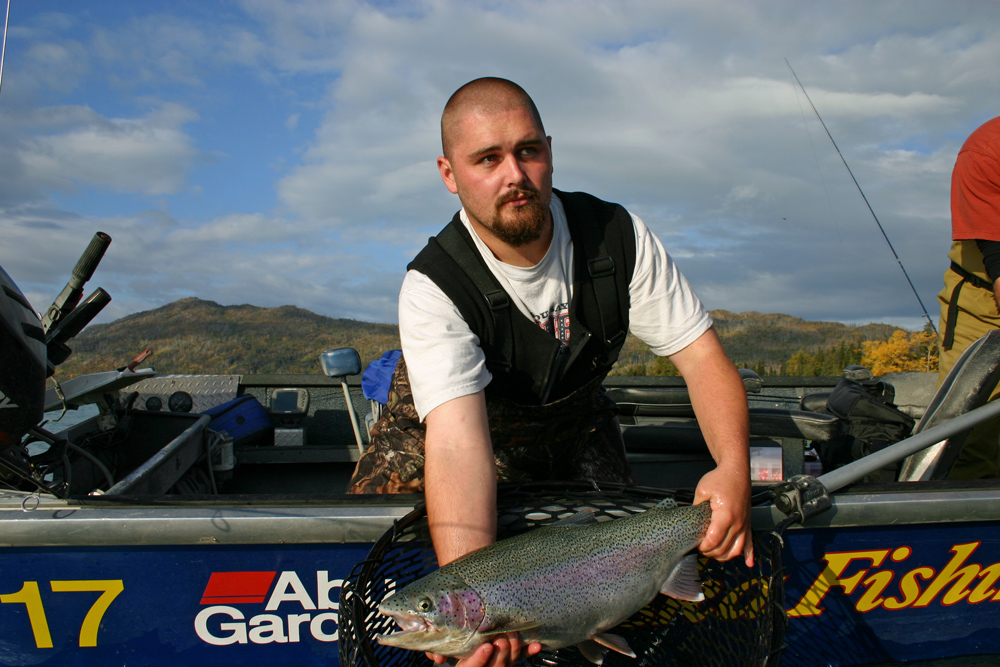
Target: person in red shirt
970,300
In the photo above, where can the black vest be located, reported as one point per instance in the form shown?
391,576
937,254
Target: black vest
529,365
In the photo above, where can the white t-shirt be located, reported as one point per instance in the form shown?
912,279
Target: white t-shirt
443,357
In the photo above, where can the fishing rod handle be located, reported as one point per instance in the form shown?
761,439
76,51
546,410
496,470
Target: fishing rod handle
91,257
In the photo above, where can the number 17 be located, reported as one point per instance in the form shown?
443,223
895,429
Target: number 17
31,598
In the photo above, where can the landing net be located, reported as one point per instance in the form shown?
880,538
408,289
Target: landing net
740,622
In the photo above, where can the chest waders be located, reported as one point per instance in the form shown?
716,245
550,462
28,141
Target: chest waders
549,416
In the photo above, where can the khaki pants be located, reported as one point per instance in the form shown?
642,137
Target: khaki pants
977,316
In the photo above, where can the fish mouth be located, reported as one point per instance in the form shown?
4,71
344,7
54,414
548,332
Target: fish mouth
409,624
418,634
411,630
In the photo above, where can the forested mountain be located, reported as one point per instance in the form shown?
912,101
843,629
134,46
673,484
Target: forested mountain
766,342
197,336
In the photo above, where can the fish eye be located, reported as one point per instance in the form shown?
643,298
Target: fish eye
424,604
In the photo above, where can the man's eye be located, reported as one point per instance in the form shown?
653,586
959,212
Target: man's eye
489,159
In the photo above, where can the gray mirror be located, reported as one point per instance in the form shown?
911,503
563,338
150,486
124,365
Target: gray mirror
340,361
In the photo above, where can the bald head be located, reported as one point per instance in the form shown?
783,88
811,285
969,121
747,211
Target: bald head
486,96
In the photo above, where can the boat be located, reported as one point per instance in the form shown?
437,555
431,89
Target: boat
148,534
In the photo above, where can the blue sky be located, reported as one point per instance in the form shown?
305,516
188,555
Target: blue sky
272,153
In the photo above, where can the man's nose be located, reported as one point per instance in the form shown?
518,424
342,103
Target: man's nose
514,174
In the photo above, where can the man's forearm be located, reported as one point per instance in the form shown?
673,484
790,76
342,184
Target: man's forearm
460,478
718,398
720,404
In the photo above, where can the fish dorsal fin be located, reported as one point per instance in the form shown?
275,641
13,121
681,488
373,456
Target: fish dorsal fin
592,651
615,643
581,518
684,582
513,627
667,504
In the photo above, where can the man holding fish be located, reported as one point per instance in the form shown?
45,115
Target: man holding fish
493,386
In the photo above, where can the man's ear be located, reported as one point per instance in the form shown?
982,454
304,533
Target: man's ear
447,175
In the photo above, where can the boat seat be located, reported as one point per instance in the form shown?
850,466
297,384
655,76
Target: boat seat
682,444
815,402
658,423
967,386
786,423
673,402
686,436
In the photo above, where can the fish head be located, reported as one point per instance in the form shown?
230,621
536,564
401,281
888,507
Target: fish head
439,613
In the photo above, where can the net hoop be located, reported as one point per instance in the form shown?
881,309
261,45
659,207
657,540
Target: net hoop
741,621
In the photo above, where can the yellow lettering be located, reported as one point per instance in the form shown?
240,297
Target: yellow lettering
109,590
958,577
836,565
876,585
746,601
909,587
30,597
984,590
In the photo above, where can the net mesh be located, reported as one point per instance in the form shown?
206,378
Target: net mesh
740,622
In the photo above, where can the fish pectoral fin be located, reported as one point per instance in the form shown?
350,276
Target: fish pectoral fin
592,651
615,643
517,627
684,582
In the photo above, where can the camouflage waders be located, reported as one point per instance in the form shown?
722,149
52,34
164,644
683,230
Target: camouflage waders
574,438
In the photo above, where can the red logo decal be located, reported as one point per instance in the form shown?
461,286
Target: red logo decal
235,587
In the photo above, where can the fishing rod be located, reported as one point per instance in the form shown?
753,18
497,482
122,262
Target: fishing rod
3,49
870,210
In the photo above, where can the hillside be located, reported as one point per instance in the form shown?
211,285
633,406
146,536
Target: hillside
768,340
197,336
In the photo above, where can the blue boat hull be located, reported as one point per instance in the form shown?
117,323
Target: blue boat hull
892,593
261,585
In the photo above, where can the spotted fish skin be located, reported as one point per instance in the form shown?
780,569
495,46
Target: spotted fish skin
564,584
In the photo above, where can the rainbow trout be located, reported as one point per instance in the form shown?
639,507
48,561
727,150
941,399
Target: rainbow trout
563,584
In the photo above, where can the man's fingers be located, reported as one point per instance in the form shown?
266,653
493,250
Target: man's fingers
515,643
503,653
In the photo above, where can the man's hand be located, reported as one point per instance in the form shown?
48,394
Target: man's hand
503,651
729,534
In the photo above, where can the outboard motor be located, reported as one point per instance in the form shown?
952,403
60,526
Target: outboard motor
31,348
22,372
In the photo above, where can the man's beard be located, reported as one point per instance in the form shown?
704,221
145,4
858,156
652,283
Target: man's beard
521,225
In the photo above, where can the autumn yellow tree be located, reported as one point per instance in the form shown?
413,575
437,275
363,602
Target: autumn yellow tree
902,352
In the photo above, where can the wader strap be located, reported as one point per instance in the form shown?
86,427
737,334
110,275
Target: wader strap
453,243
602,273
951,319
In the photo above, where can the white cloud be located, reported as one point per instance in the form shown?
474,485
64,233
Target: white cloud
149,155
684,111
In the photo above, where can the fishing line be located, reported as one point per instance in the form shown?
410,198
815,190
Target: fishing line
870,210
819,168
